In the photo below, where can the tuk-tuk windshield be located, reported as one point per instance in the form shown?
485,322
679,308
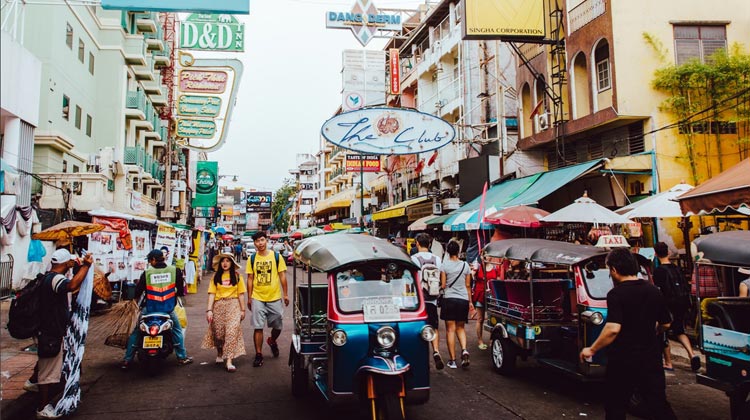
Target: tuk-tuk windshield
598,280
355,288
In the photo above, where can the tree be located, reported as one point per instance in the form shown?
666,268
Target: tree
280,206
710,100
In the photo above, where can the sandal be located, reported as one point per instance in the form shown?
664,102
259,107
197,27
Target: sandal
231,368
482,346
219,360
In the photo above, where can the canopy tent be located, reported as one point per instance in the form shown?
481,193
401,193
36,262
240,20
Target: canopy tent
521,216
586,210
658,205
421,223
728,190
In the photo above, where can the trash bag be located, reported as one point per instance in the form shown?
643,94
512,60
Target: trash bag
179,309
36,251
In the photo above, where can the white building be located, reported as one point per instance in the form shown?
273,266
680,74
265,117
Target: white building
308,184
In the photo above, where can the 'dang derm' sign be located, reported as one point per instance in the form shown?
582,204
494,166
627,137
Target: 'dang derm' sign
503,19
388,131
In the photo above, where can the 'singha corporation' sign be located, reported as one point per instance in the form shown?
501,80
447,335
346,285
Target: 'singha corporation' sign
388,131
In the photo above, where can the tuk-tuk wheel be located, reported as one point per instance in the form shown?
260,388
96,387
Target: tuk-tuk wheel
503,355
299,373
388,407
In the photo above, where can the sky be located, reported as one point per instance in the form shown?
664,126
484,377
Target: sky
291,84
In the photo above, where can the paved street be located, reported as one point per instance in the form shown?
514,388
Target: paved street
205,390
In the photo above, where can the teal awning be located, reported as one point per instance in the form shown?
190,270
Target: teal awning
550,182
438,220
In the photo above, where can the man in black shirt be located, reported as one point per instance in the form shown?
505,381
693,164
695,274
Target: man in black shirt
636,315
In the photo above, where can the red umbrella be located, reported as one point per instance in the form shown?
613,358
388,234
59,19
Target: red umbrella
296,235
521,216
276,236
328,228
228,237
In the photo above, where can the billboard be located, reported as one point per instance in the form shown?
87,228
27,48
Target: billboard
364,20
258,201
363,163
388,131
240,7
206,184
503,19
206,32
363,79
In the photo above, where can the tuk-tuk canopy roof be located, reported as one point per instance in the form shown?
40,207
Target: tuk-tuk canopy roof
732,248
542,251
329,252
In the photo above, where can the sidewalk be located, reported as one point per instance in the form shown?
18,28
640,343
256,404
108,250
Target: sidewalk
16,366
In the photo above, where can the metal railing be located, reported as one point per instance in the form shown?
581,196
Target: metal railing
585,12
6,277
136,100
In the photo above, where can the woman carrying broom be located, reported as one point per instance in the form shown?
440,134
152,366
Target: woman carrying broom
225,311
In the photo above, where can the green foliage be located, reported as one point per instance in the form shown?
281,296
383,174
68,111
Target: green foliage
279,207
658,47
699,93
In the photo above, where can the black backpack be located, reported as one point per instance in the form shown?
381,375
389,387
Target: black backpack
677,288
24,314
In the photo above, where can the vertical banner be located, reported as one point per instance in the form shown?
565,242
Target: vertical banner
395,71
206,184
166,237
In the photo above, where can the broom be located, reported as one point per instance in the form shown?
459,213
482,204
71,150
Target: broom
115,326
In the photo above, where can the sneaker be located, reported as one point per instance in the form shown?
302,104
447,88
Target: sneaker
185,361
125,365
48,412
452,364
274,346
439,365
30,386
464,359
258,362
695,363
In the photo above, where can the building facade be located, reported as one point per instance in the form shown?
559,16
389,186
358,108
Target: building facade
308,185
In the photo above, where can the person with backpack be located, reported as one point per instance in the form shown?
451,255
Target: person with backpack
455,279
266,281
676,291
54,315
429,277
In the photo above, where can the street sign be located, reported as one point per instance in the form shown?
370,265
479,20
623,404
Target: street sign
205,32
388,131
198,106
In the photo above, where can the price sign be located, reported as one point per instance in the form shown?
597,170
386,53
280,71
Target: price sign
380,309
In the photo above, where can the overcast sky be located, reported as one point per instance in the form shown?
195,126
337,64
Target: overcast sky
290,86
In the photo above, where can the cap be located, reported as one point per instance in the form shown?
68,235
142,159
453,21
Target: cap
61,256
155,254
744,270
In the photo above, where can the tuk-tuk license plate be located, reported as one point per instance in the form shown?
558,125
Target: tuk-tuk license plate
380,310
152,342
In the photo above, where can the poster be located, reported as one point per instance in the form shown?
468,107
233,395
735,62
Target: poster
166,239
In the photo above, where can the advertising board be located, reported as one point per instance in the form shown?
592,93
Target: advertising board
503,19
363,163
257,201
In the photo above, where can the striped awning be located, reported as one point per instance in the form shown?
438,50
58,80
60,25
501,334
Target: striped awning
398,210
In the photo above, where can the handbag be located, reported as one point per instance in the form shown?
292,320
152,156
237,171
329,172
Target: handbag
48,346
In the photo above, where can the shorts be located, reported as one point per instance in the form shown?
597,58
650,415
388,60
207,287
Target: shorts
677,327
432,314
50,369
267,313
454,310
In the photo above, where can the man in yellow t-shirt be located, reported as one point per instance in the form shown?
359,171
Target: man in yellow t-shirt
266,280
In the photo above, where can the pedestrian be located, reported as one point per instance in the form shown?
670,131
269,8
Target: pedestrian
161,298
637,315
482,274
266,283
238,251
54,317
745,284
429,265
225,312
455,307
676,291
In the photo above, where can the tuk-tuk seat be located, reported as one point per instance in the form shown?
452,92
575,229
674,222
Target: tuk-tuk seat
730,313
513,298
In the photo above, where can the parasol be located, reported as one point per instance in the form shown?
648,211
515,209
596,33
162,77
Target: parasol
521,216
67,230
220,230
586,210
228,237
659,205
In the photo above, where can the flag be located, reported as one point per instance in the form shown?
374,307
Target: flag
433,158
481,218
420,166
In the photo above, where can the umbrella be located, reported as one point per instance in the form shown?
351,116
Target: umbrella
659,205
586,210
228,237
67,230
297,235
278,235
220,230
522,216
421,224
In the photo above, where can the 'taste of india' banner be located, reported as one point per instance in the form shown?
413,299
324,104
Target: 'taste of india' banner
166,236
206,184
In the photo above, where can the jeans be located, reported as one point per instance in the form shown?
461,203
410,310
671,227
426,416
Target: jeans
178,339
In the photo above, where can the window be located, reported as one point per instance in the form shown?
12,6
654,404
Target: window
602,74
89,122
69,36
78,117
91,63
75,169
65,166
81,50
698,42
66,108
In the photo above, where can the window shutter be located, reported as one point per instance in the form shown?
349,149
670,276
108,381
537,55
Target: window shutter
710,46
686,50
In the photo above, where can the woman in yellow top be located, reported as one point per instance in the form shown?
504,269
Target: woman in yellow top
225,311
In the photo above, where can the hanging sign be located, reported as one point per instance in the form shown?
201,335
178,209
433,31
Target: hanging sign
388,131
203,81
395,71
195,128
364,20
205,32
198,106
206,184
363,163
503,19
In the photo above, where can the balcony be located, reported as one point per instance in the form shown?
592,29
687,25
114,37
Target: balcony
335,176
146,22
137,157
89,191
154,40
135,105
445,101
153,87
145,71
134,50
337,153
162,58
584,13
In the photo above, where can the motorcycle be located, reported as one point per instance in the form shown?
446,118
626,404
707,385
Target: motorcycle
155,339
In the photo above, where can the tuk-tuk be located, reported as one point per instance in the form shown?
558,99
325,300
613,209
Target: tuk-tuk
725,321
363,335
551,307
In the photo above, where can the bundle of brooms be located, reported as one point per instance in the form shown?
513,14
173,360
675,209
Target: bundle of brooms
115,326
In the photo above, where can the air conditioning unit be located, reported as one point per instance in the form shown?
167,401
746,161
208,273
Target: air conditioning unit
437,208
542,121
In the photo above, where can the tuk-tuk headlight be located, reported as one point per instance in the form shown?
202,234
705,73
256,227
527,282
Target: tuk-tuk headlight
338,338
427,333
386,337
593,317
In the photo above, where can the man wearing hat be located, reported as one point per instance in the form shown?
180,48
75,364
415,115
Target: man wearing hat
745,284
159,299
54,323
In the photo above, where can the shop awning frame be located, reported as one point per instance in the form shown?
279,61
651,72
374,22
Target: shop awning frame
398,210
